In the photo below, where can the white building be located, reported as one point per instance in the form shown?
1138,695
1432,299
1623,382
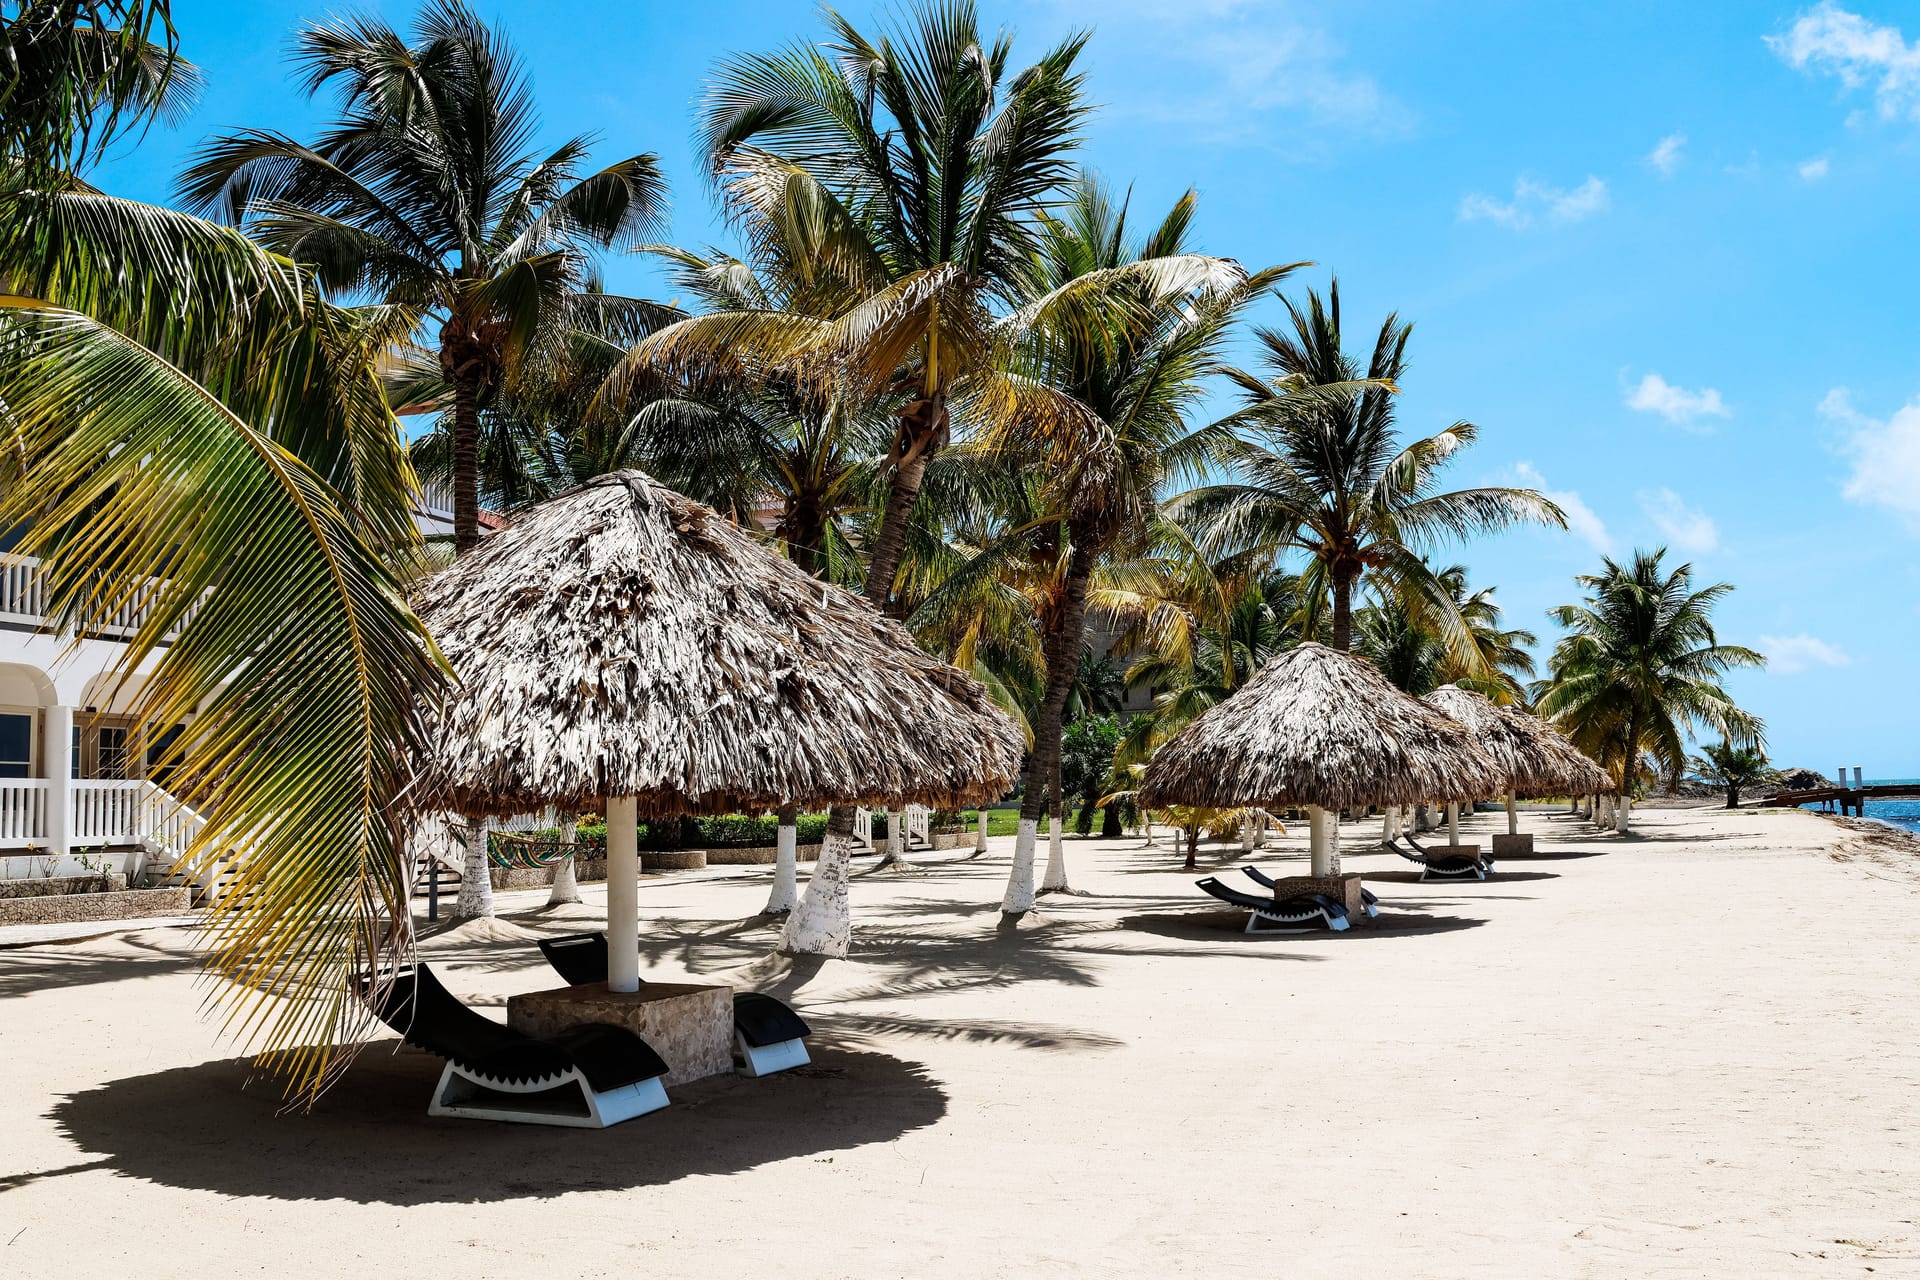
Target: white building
82,783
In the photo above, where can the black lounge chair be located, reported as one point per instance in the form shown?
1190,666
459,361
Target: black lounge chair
1437,864
1288,915
587,1077
1367,899
767,1035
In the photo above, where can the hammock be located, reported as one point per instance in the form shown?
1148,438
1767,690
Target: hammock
515,851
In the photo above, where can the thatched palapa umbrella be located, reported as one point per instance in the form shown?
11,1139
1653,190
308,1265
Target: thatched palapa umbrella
624,644
1577,774
1324,730
1527,765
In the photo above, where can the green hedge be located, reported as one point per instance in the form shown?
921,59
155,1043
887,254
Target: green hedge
733,831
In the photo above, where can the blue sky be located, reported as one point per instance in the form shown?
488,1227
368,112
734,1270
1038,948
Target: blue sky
1661,254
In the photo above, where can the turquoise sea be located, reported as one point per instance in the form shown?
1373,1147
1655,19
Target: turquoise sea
1904,814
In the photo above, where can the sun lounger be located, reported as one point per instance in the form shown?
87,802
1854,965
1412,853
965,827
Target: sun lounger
587,1077
1287,915
767,1035
1437,864
1367,898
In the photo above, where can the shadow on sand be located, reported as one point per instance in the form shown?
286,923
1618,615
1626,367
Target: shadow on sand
370,1140
1208,926
1500,876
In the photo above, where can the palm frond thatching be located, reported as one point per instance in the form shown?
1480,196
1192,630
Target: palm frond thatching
1530,765
625,640
1317,727
1576,775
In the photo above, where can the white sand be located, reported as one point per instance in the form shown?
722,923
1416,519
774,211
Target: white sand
1691,1054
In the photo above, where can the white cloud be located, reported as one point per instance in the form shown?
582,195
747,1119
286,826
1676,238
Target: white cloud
1813,170
1581,520
1684,408
1886,455
1684,528
1788,654
1534,200
1665,155
1237,65
1829,40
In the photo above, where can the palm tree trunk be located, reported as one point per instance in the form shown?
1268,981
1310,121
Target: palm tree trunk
786,864
1342,611
1062,646
1193,846
823,923
1055,881
566,880
466,462
476,880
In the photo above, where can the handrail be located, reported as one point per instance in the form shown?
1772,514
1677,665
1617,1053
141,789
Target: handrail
23,598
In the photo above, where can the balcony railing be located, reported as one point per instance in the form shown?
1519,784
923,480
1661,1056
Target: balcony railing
101,812
23,598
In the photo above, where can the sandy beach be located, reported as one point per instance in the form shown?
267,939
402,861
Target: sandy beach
1688,1053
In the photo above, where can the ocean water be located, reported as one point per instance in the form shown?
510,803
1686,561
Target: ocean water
1904,814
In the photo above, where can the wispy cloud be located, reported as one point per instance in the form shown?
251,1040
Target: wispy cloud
1829,40
1788,654
1666,154
1885,454
1683,408
1226,69
1813,170
1684,528
1535,201
1581,520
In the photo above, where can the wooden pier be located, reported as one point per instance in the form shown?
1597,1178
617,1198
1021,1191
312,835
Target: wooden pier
1849,799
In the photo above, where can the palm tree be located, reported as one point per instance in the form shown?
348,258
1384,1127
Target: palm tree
1723,764
1327,475
1409,652
192,431
1640,667
75,78
902,174
1138,368
426,192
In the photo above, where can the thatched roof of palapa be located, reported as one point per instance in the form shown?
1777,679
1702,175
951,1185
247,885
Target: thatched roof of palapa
624,640
1316,727
1574,772
1529,764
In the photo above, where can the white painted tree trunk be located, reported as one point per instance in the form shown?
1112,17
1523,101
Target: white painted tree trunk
1606,811
1390,824
476,880
1019,897
1056,877
1323,860
566,880
623,893
1246,833
1513,815
1260,833
1148,823
1333,841
786,870
1623,814
980,834
822,925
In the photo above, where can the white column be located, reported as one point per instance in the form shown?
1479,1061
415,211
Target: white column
980,834
786,870
1389,824
1321,856
1453,822
623,894
1513,816
57,747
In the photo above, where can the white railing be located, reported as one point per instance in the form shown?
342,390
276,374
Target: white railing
23,598
915,821
863,827
23,812
106,812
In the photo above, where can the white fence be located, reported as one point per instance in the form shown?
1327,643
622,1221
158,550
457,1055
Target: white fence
23,598
915,820
23,812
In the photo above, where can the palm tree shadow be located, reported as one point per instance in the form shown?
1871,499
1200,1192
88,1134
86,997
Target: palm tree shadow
369,1140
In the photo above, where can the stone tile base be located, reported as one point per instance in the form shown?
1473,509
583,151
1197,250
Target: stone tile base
1520,846
66,908
690,1027
1343,889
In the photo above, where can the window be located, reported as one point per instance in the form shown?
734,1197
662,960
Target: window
159,767
16,745
111,754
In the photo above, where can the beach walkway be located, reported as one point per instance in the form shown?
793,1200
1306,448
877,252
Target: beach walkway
1689,1053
